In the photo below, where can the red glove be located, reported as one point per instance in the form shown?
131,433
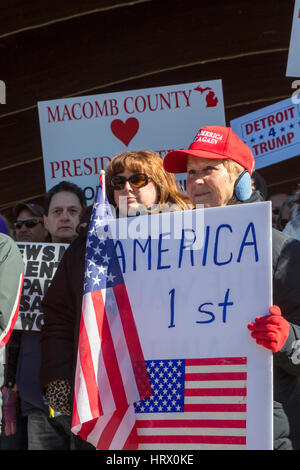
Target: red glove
9,410
271,331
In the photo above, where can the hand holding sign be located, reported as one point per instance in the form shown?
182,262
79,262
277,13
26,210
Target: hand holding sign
271,331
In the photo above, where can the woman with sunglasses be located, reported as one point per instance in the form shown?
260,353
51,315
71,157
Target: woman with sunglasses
135,183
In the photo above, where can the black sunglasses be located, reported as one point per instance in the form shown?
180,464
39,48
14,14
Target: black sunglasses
138,180
29,223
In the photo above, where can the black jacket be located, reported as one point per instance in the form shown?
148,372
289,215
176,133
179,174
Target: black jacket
286,363
286,294
62,308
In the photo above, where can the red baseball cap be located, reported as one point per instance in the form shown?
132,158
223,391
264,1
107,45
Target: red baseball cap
215,142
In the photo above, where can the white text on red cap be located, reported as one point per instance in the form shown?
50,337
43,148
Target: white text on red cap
208,137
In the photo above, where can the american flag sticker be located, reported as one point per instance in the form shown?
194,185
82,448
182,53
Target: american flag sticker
196,404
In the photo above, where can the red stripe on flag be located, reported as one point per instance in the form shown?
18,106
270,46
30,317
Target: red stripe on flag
108,351
132,440
223,407
191,423
188,419
14,315
88,371
75,415
216,376
108,364
216,361
132,340
111,428
216,392
87,428
193,439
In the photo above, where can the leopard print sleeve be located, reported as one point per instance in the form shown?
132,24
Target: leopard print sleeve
58,396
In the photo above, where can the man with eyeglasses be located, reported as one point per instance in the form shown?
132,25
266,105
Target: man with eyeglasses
277,200
56,223
28,227
28,223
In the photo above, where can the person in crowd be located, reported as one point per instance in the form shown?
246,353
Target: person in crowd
23,353
259,184
292,227
28,222
28,226
285,213
281,206
11,282
11,414
64,203
218,174
140,180
63,206
5,226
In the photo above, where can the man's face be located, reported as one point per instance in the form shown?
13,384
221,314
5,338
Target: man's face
277,200
208,182
63,217
34,233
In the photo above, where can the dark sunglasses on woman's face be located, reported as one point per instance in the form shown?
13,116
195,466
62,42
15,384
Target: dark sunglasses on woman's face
136,181
29,223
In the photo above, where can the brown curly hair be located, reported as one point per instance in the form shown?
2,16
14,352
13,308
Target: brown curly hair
142,161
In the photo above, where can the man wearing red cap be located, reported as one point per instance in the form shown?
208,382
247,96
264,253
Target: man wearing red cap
219,166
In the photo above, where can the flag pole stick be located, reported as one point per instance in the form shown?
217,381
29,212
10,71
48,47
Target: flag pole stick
102,181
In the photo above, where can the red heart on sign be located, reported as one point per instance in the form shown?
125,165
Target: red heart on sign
125,131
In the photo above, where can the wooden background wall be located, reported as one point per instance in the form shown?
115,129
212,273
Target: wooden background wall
50,50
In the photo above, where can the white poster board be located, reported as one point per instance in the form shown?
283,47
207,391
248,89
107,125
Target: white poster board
194,305
41,261
80,135
272,133
293,65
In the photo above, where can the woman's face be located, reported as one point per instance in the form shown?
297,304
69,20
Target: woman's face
131,200
208,182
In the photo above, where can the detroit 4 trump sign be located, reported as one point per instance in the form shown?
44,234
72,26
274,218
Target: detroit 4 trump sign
195,279
272,133
80,135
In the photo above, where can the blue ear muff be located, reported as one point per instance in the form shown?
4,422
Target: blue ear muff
243,186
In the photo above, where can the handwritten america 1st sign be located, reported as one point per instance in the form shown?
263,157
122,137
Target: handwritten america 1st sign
194,283
272,132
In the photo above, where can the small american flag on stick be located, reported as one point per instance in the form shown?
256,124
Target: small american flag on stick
110,371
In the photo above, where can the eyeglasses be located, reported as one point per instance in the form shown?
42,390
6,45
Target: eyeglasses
138,180
29,223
